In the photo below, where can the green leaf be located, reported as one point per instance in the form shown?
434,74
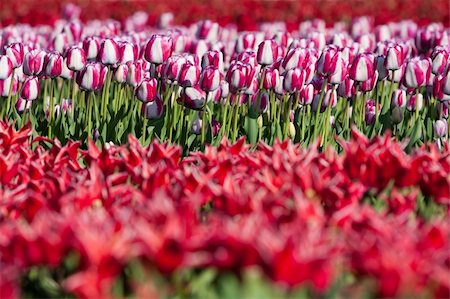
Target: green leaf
251,129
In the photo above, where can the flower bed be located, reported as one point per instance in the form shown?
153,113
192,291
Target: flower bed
229,222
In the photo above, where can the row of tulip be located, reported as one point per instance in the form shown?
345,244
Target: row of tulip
231,222
199,84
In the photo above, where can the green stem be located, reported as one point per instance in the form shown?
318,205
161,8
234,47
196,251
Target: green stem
316,119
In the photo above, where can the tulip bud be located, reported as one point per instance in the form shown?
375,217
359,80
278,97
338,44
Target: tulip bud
245,41
121,72
108,53
172,67
59,43
260,102
397,115
363,67
341,70
398,98
440,59
154,109
307,94
210,79
271,78
267,52
6,67
330,98
224,89
440,128
417,72
158,49
397,75
196,126
394,58
370,111
92,76
91,46
54,65
329,61
16,53
294,80
347,88
34,62
135,74
5,86
189,75
66,73
213,58
237,76
22,105
208,30
76,58
192,98
369,85
147,90
128,52
30,89
381,69
415,101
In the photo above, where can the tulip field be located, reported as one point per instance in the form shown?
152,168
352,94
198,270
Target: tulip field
192,158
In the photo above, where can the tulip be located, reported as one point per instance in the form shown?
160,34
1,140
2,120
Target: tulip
54,65
147,90
91,46
158,49
22,105
6,67
108,53
154,109
329,62
92,76
224,89
440,59
210,79
330,98
196,126
381,69
307,94
192,98
237,76
213,58
128,52
415,101
267,52
172,67
341,70
294,80
271,78
66,73
347,88
440,128
76,58
363,67
395,57
30,89
260,102
60,43
121,73
398,98
245,41
397,75
189,75
15,52
135,74
5,86
208,30
417,72
33,63
370,84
